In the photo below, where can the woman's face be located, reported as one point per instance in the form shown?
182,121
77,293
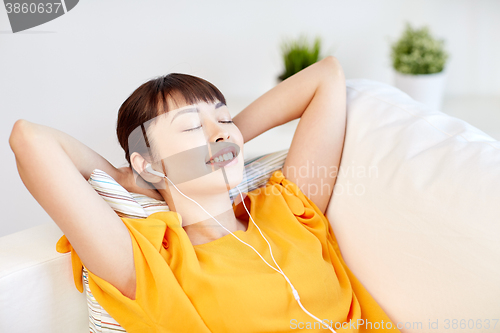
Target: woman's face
198,147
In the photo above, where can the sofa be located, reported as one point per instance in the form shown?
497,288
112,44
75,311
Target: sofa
415,210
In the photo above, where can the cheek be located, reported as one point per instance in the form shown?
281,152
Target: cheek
237,136
177,143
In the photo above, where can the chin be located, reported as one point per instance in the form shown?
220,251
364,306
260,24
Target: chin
234,176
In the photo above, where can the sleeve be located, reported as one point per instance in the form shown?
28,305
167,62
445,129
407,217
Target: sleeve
308,214
305,210
158,293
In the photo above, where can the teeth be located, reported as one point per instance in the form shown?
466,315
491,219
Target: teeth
221,158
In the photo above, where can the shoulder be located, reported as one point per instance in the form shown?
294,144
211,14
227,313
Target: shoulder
280,189
154,228
281,203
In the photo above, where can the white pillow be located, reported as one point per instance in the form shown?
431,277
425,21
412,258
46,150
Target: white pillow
422,231
133,205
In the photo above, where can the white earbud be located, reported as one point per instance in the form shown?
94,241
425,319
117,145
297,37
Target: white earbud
279,270
149,169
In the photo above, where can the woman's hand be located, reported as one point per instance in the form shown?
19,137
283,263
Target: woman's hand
126,179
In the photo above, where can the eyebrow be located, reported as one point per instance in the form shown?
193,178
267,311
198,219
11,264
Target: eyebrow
218,105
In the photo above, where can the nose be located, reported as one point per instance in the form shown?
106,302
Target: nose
216,132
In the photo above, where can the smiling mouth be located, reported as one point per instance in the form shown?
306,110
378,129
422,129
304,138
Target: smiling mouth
222,157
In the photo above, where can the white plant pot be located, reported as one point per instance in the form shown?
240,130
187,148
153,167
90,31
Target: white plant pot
424,88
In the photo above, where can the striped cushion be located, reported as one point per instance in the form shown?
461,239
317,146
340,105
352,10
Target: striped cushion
133,205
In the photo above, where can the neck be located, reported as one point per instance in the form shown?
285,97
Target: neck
199,226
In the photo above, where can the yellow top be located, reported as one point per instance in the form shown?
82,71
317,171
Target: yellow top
224,286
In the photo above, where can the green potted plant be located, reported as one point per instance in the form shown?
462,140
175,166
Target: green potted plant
419,62
298,54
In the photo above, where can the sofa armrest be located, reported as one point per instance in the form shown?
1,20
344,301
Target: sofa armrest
37,292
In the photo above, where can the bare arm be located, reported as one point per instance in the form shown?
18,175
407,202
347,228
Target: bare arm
317,95
54,167
285,102
83,158
86,160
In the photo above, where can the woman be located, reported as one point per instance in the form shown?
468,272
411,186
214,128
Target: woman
183,270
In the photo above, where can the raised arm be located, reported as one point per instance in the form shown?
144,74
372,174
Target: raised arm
54,167
316,95
283,103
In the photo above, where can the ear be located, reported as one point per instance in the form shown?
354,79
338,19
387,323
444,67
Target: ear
138,163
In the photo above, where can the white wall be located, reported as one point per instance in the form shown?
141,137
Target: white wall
74,72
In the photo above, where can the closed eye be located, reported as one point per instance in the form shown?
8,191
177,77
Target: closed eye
222,121
192,129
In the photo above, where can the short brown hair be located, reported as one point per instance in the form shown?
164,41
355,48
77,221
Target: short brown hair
150,100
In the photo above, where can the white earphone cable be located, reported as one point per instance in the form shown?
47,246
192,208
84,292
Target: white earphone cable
294,291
